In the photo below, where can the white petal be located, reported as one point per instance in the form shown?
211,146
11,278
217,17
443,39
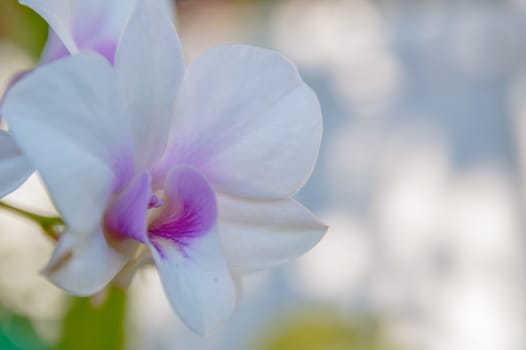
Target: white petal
67,118
185,246
83,265
14,166
258,235
106,19
247,120
197,281
59,15
150,66
81,24
54,48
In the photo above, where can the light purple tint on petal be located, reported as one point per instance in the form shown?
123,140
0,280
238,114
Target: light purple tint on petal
13,81
123,165
104,47
89,34
88,40
126,215
190,210
54,48
17,77
196,156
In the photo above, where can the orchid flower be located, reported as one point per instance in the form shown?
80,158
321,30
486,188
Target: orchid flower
196,166
75,26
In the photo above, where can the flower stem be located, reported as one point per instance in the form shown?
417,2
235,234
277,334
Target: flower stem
51,225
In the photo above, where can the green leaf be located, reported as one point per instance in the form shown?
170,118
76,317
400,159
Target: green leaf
22,26
91,324
17,333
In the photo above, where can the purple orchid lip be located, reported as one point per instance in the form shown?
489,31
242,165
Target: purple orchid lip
190,210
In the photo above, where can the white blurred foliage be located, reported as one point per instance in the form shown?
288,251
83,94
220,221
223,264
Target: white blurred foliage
339,264
349,40
24,249
494,41
12,61
450,261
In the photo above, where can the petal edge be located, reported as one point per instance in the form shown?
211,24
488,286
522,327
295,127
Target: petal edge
258,235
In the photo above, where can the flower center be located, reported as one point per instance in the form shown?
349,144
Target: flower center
184,210
189,209
155,202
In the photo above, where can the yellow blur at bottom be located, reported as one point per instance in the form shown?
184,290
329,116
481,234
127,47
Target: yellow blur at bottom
322,330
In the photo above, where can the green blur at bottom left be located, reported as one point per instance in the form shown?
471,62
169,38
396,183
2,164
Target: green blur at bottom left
90,323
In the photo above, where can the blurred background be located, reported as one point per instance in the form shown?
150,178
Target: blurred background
421,178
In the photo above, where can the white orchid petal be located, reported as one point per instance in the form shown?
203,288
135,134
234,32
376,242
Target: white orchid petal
59,15
99,24
14,166
186,248
79,25
258,235
106,19
247,120
83,265
54,48
67,118
150,66
197,281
